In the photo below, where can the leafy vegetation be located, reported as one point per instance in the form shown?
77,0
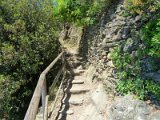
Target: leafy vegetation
142,6
28,42
130,63
130,74
151,35
79,12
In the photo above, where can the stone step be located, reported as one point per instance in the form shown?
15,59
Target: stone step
73,100
76,101
63,108
78,82
79,58
76,63
76,54
76,58
78,90
39,117
78,72
70,53
60,117
68,112
79,78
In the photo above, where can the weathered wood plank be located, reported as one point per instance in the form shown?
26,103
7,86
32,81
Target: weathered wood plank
56,79
55,100
46,109
44,93
33,106
52,64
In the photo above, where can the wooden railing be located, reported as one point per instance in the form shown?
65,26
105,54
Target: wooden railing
41,92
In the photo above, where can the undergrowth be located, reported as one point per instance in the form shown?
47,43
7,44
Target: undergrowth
141,6
130,64
79,12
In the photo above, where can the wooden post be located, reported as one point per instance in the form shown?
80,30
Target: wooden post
46,109
33,106
44,94
40,90
63,61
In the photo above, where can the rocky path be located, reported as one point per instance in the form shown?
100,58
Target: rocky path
75,93
90,93
83,99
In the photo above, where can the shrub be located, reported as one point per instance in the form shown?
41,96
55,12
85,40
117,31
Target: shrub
141,6
79,12
130,64
151,35
28,42
131,78
130,69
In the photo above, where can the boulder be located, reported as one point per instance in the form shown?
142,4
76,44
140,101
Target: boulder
117,37
109,56
148,64
128,108
118,23
155,76
138,18
155,116
129,45
125,32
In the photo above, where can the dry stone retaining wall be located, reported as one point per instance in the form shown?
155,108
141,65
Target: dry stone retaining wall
114,29
99,41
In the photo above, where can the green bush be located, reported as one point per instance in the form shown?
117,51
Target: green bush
28,43
130,69
151,35
135,86
142,7
130,75
130,64
79,12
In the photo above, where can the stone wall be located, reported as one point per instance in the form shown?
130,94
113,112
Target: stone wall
114,29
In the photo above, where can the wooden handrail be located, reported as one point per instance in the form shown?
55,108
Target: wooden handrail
54,103
40,88
56,79
46,108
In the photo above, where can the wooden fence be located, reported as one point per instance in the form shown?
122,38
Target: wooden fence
41,92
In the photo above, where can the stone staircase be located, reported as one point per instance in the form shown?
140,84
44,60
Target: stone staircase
39,116
82,99
75,91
